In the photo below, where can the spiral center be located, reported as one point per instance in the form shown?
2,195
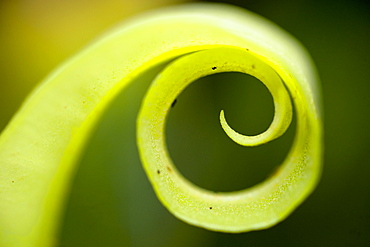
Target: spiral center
201,150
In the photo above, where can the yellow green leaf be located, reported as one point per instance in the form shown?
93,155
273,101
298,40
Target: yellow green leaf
40,146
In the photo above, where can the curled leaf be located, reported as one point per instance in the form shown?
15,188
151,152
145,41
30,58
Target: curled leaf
39,148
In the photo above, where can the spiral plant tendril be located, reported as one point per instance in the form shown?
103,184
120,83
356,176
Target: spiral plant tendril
40,146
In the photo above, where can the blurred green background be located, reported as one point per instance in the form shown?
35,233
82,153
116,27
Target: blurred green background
112,202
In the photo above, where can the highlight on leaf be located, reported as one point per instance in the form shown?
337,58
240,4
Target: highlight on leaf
41,145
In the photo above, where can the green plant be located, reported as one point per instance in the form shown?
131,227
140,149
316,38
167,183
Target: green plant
39,148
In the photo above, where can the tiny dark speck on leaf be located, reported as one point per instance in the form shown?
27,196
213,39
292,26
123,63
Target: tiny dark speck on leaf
210,207
213,68
158,171
13,182
174,103
253,67
169,169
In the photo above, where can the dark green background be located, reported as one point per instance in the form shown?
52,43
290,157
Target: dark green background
113,204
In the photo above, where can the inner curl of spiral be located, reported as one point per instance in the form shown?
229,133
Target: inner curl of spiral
172,188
